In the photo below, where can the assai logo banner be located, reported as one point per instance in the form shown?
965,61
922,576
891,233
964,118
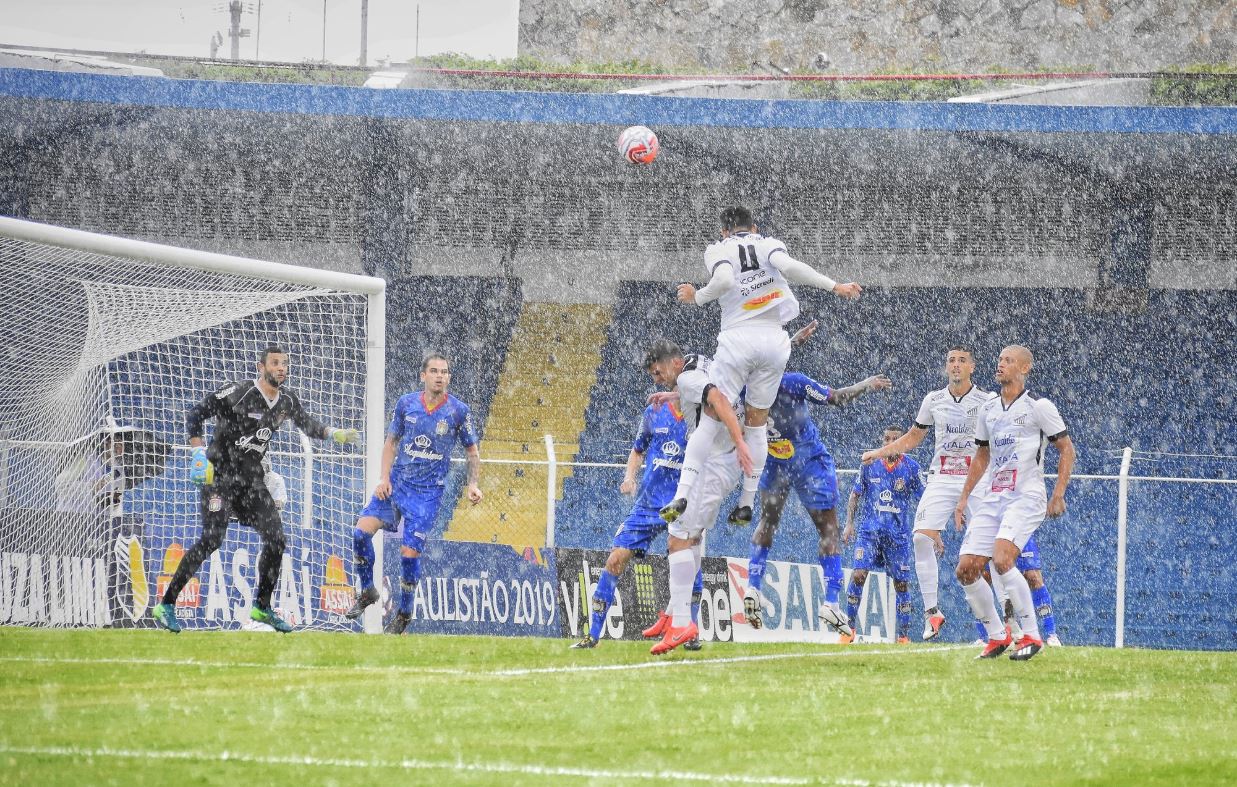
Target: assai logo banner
468,588
792,596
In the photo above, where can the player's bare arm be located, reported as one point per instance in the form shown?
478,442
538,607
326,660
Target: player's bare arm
634,460
719,407
658,398
383,490
840,397
851,504
979,465
473,456
1065,466
803,334
904,444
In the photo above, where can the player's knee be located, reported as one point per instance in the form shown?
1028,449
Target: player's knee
967,572
211,540
616,563
1003,564
1035,579
901,587
859,576
763,536
276,541
409,552
755,417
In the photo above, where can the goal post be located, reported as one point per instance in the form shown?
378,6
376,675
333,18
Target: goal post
105,344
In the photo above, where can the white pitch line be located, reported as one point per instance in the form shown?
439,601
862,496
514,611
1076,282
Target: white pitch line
499,673
457,765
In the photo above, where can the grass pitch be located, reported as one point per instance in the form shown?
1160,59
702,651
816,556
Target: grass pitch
146,707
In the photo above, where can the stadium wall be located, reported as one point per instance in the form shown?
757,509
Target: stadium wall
950,35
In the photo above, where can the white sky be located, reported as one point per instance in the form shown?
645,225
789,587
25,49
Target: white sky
291,29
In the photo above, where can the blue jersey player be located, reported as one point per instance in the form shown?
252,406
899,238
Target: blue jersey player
416,458
1031,565
888,489
659,446
799,461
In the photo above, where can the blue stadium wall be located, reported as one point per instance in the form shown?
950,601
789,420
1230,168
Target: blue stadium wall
1104,238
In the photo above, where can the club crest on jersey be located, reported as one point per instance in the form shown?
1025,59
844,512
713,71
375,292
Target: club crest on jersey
1021,420
971,412
899,484
858,553
215,504
441,428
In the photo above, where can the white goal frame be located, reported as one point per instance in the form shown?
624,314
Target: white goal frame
373,288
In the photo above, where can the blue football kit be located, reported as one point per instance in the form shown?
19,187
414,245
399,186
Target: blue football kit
427,435
662,438
883,537
798,458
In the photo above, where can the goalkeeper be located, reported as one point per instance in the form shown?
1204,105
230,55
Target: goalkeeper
231,478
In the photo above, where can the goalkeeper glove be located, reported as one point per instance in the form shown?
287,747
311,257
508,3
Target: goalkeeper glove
201,471
345,436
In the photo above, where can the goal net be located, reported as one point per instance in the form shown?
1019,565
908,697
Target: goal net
106,344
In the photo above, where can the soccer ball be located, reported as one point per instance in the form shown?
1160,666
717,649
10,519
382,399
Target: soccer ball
638,145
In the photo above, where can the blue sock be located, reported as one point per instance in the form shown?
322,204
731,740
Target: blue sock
363,549
410,572
902,602
1043,608
832,566
853,594
603,597
697,592
983,632
756,567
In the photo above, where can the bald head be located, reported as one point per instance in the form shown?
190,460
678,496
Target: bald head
1014,364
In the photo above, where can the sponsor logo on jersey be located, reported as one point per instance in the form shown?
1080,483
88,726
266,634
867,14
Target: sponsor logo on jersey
226,392
335,594
670,448
441,428
256,416
781,449
422,441
959,429
763,300
662,430
191,594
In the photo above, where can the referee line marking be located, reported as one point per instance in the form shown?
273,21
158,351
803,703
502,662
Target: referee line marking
497,673
456,765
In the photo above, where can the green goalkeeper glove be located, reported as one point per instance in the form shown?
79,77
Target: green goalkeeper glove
345,436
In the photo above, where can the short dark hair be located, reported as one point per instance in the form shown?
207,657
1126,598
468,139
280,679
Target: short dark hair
271,349
736,217
431,355
894,429
963,348
661,350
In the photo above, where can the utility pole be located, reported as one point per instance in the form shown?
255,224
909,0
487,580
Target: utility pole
323,31
364,30
234,30
257,43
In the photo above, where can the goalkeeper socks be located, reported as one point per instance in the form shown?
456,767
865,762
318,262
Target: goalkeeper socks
756,568
410,572
697,592
696,455
927,571
832,566
269,565
363,549
603,597
1020,593
757,440
854,592
1043,608
902,602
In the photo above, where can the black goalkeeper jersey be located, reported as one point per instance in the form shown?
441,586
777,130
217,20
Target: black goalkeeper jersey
245,424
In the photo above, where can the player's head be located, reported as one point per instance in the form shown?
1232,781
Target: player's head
664,361
959,364
1014,364
435,372
273,365
891,434
736,219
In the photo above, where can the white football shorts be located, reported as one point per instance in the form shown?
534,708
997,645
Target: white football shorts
1013,517
753,356
718,478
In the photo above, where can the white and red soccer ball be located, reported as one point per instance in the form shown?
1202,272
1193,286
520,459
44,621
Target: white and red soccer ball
639,145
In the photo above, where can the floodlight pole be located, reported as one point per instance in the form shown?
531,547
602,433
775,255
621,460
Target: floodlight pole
364,31
323,31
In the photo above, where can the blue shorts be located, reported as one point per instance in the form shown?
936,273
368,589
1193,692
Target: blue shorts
1029,560
814,479
416,509
877,549
639,529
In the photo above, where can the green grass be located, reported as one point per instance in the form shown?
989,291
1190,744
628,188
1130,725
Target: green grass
90,707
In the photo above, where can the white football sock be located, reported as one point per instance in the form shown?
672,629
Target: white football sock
1024,609
699,446
682,577
927,570
979,596
757,440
